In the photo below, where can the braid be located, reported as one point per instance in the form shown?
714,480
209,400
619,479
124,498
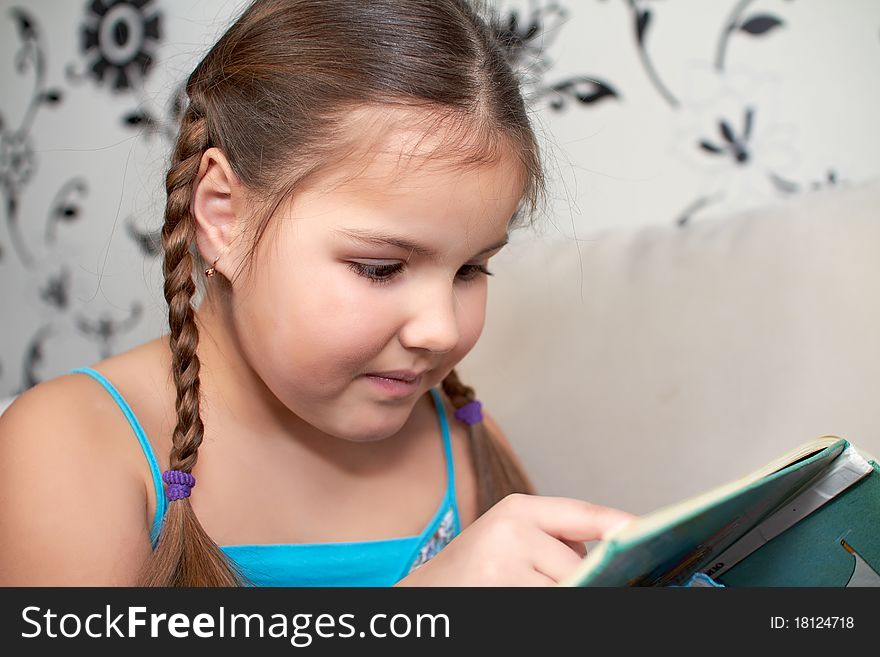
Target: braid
177,235
185,555
498,471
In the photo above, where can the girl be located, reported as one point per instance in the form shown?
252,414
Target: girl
343,173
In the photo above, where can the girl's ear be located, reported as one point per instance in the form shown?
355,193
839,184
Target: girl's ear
217,207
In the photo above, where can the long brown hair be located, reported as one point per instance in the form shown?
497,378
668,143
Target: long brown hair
273,94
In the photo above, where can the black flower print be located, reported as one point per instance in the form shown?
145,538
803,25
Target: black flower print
641,22
120,37
754,25
55,292
33,358
17,162
149,242
730,143
65,206
526,33
104,329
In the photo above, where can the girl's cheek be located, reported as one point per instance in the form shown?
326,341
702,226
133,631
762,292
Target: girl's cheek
344,308
471,314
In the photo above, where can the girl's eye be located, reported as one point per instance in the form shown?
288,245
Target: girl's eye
471,272
383,274
378,274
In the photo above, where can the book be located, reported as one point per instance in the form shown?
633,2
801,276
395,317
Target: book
808,518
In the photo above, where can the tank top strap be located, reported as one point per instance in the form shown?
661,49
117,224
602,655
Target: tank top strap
447,448
161,503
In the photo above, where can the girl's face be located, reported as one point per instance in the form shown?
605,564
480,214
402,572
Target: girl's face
373,267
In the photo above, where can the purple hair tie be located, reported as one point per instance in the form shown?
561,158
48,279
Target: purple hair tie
179,484
470,413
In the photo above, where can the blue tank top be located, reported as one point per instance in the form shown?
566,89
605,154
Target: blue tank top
360,563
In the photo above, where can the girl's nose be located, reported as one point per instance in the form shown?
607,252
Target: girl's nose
432,323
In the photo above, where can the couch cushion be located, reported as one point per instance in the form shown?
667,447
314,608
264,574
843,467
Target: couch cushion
638,367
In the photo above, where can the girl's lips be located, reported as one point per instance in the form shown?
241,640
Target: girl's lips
400,375
394,387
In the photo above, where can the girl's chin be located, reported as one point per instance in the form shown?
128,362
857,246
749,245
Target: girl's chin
392,420
372,437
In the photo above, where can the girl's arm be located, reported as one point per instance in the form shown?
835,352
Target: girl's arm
72,508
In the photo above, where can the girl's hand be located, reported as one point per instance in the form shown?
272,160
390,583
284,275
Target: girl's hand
524,540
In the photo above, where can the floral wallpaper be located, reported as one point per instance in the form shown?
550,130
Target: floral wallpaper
650,111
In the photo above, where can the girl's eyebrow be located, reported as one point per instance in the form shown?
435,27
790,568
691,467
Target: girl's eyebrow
377,238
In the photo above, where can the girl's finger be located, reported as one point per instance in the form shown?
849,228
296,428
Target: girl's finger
537,578
577,546
566,518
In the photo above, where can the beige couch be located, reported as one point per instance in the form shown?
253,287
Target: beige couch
642,366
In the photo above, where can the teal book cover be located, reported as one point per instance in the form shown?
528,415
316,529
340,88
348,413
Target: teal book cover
809,518
836,545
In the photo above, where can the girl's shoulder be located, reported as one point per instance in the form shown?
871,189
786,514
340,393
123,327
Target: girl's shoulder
72,490
76,412
65,414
